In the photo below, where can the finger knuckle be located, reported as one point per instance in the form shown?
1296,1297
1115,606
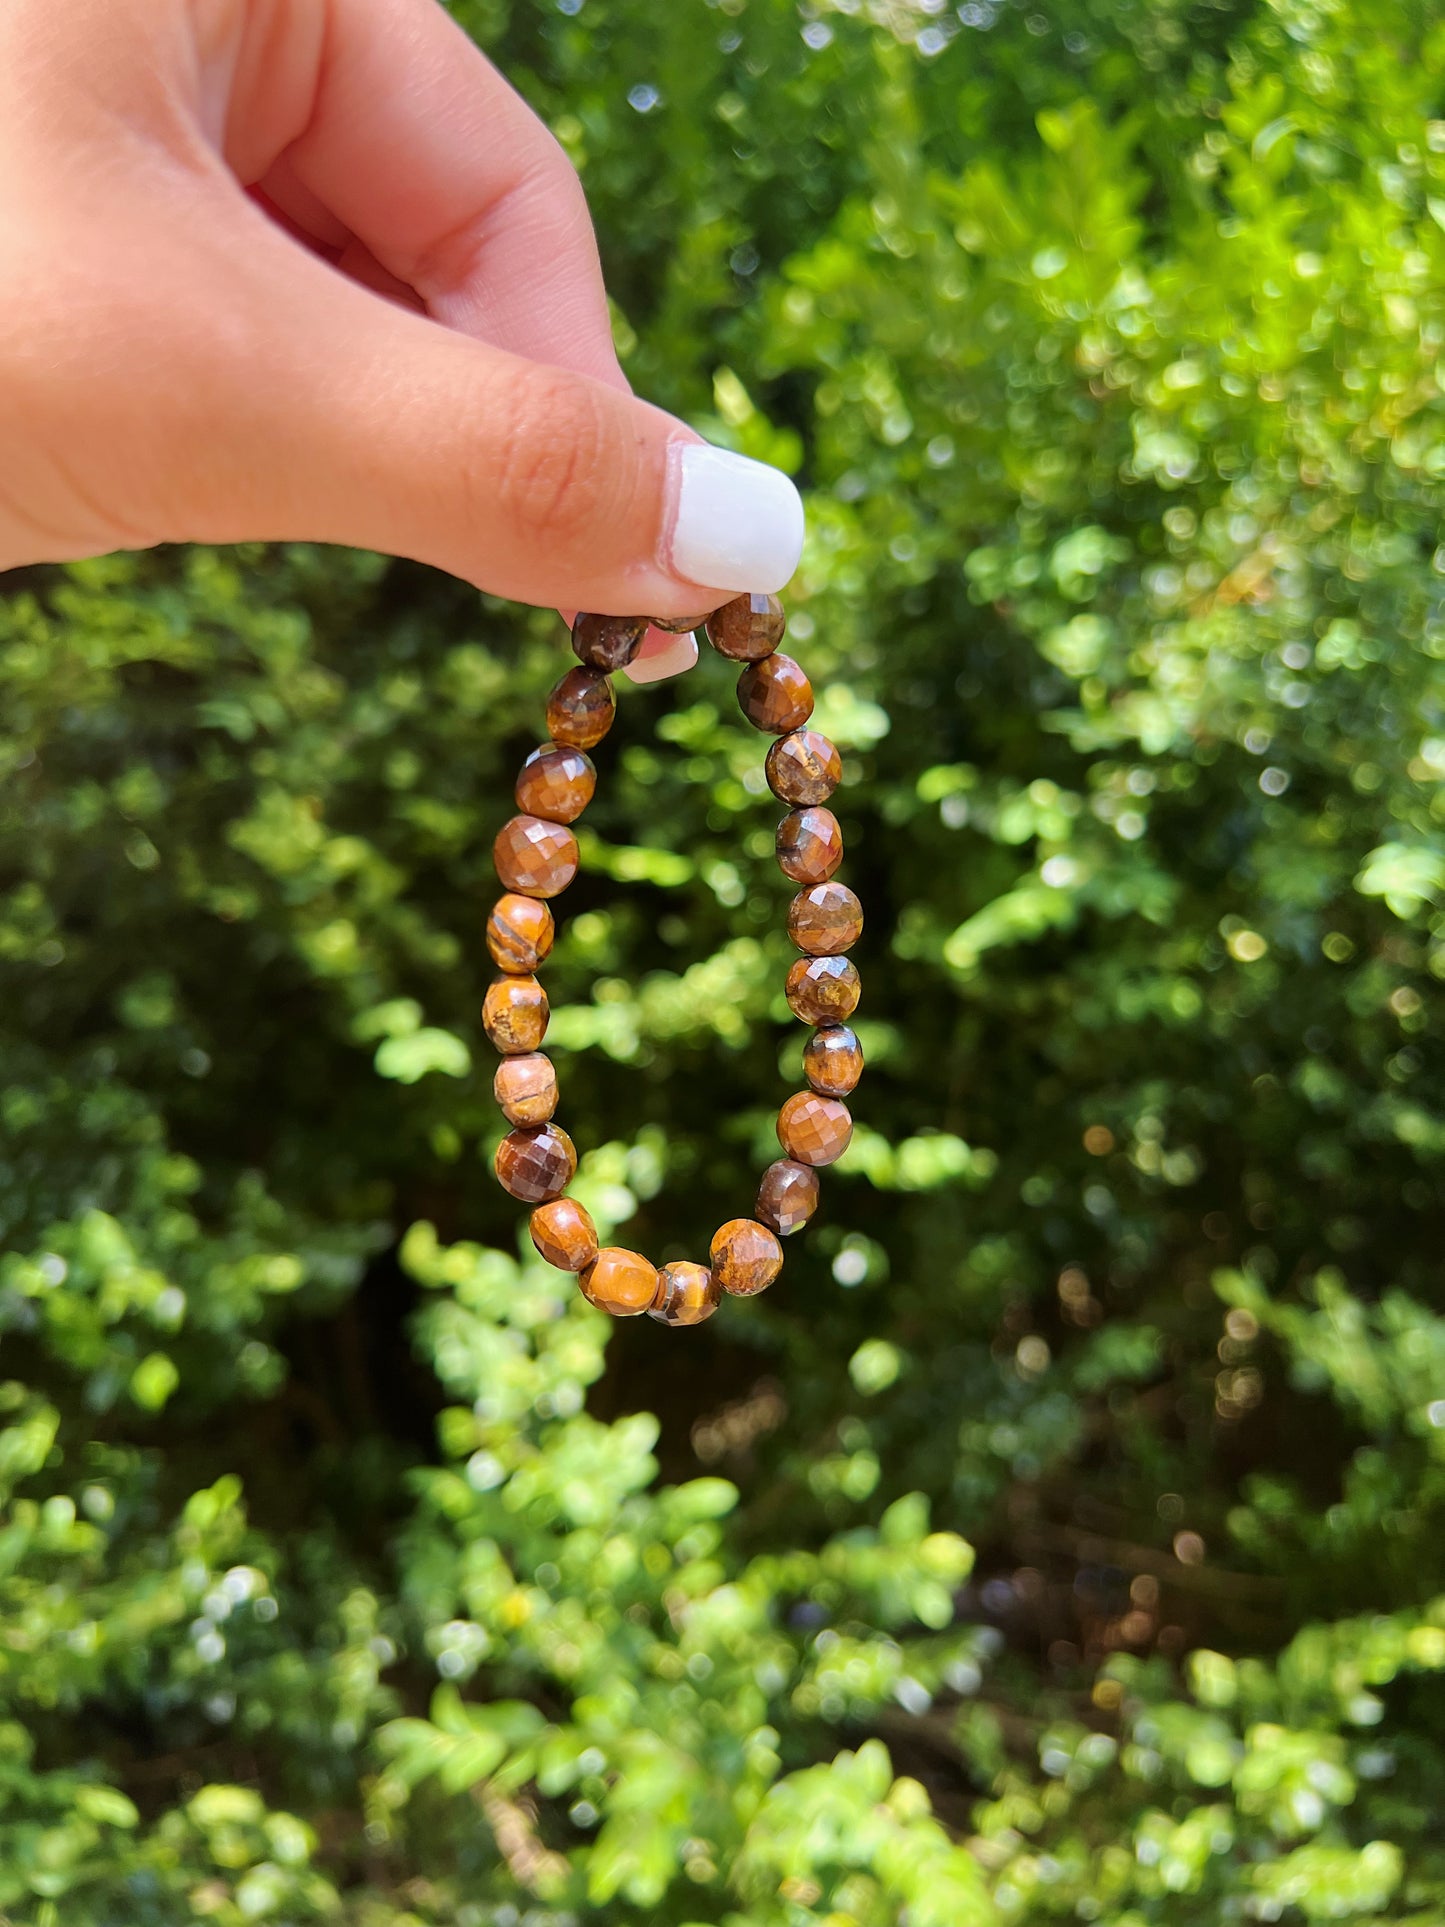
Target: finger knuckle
551,472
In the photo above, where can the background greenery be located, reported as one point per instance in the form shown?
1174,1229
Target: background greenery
1064,1535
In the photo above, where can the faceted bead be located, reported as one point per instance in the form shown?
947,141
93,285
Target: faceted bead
803,767
686,1294
564,1234
607,642
519,933
526,1088
810,845
825,920
678,625
537,1163
556,783
747,628
787,1196
775,695
833,1061
580,708
619,1281
823,990
746,1257
514,1014
814,1130
535,858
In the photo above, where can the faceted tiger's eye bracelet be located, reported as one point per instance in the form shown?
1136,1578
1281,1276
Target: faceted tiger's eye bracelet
536,858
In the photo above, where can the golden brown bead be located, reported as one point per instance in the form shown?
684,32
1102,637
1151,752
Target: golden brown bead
813,1129
534,857
537,1163
833,1061
678,625
519,933
825,920
809,845
564,1234
775,695
580,708
803,768
619,1281
746,1257
823,990
747,628
556,783
526,1088
686,1294
514,1014
787,1196
607,642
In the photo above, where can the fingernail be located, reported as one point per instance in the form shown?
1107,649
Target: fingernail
679,655
737,524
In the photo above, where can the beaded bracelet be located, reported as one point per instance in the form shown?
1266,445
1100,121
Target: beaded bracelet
536,858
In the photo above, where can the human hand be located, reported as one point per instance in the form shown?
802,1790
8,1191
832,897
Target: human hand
310,270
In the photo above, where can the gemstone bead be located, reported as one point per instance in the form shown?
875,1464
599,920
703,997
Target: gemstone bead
813,1129
747,628
825,920
823,990
678,625
537,1163
787,1196
580,708
526,1088
746,1257
519,933
556,782
686,1294
564,1234
810,845
607,642
833,1061
775,695
514,1014
803,767
534,857
619,1281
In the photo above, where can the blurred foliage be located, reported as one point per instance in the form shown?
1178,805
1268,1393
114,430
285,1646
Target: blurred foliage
1064,1535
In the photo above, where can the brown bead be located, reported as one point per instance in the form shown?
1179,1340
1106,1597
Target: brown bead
833,1061
814,1130
823,990
787,1196
537,1163
556,783
686,1294
825,920
747,628
535,858
619,1281
678,625
810,845
775,695
526,1088
514,1014
564,1234
580,708
746,1257
607,642
519,933
803,768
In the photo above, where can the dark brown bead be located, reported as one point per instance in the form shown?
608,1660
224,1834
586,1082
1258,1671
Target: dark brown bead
678,625
619,1281
607,642
825,920
514,1014
526,1088
787,1196
519,933
775,695
823,990
833,1061
747,628
556,783
534,857
810,845
564,1234
580,708
686,1294
814,1130
746,1257
803,768
537,1163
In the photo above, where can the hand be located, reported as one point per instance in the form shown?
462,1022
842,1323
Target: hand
310,270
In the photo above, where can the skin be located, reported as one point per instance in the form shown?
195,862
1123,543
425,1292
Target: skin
311,270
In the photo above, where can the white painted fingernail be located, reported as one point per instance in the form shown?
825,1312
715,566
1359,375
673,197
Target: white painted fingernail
737,524
679,655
